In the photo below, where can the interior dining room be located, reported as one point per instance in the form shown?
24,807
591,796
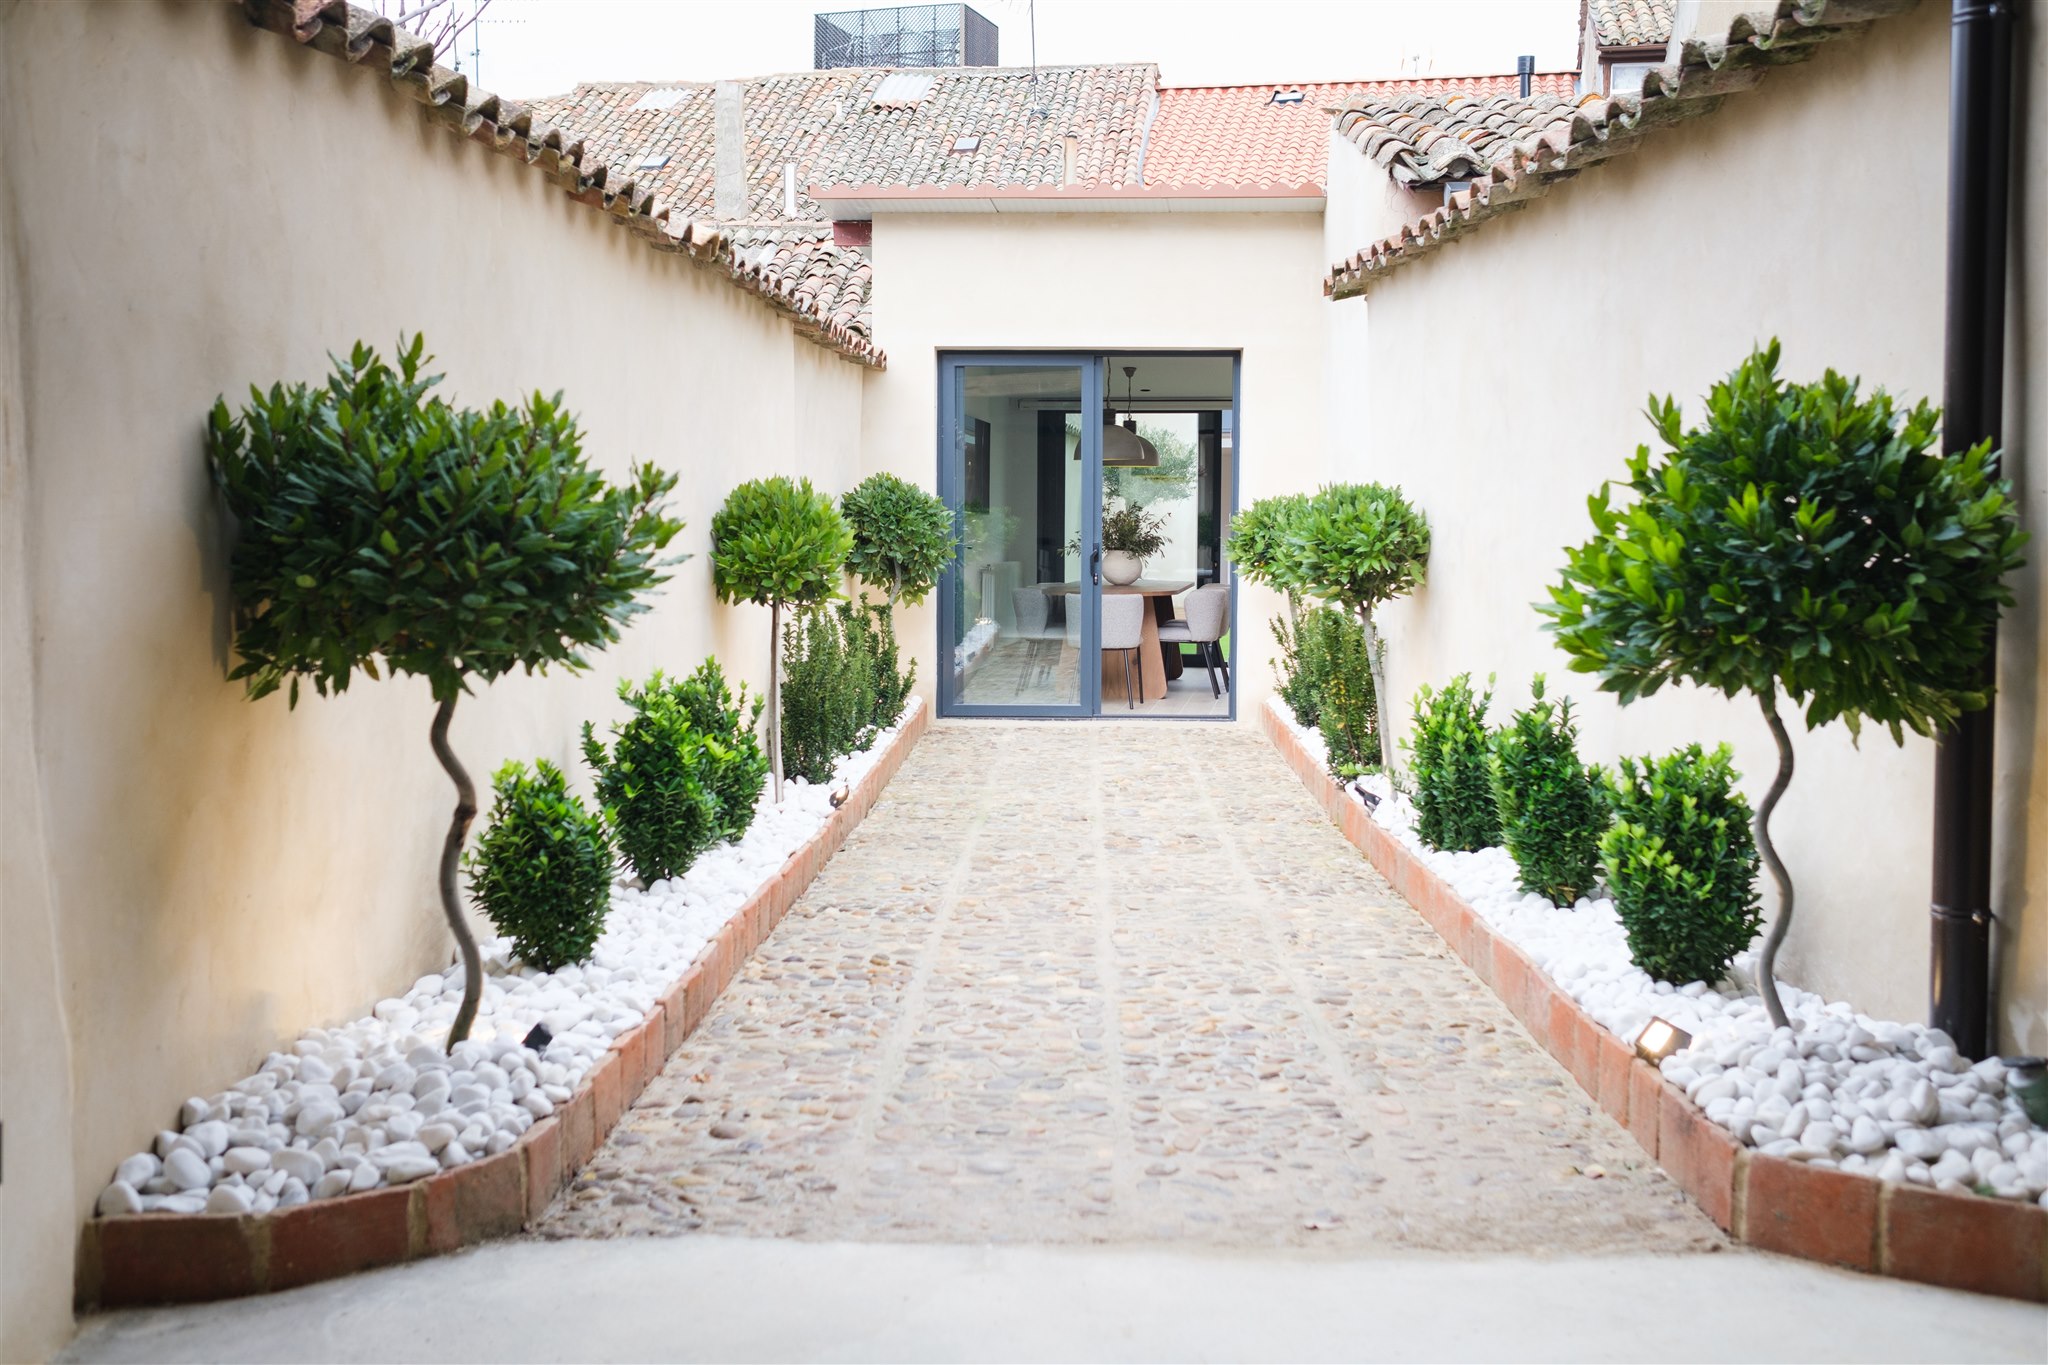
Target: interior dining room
1093,496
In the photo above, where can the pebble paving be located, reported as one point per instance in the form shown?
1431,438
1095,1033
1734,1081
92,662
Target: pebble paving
1117,982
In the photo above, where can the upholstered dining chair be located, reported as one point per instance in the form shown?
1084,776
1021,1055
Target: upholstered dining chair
1207,622
1123,630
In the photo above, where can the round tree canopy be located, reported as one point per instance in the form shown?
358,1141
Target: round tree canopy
902,535
778,541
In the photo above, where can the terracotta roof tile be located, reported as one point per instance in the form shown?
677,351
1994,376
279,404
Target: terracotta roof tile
1631,23
1423,140
1518,150
823,288
1242,135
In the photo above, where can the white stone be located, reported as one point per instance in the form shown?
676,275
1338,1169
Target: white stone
330,1184
315,1120
245,1160
191,1202
119,1198
138,1170
187,1170
365,1177
230,1199
212,1137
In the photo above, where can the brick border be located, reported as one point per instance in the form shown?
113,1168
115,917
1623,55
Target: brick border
153,1258
1909,1232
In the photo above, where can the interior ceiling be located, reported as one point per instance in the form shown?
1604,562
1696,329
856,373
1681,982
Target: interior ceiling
1182,378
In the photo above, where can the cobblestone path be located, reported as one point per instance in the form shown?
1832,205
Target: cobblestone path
1117,982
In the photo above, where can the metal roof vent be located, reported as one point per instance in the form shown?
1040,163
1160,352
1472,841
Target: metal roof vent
970,143
663,98
900,88
1288,95
652,161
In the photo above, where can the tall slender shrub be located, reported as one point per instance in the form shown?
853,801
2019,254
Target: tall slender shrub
1551,811
380,529
778,543
828,704
1452,758
1681,864
1308,637
1805,542
1347,712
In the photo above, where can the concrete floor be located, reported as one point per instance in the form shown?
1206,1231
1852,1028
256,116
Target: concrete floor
716,1298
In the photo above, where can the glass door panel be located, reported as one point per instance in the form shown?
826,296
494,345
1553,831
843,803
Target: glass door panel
1019,471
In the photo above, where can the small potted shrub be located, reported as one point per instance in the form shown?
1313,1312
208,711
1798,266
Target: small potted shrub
778,543
1130,536
381,530
543,869
1806,543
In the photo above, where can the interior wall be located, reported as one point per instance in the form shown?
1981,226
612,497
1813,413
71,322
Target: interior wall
194,206
1107,282
1505,379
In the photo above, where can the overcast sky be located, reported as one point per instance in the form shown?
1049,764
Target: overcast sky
538,47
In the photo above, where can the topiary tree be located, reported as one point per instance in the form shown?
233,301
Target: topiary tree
1806,541
1551,812
902,536
1263,543
778,543
380,529
1359,545
543,869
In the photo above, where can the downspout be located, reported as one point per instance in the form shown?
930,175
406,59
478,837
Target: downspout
1973,394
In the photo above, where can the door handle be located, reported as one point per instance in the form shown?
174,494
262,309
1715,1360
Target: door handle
1095,566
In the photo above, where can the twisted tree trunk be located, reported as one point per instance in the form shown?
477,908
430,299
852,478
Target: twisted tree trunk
451,856
1766,977
775,696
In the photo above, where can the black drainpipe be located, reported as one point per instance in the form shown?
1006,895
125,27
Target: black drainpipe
1525,67
1972,399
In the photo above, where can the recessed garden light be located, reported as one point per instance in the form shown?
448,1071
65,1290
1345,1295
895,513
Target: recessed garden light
1659,1039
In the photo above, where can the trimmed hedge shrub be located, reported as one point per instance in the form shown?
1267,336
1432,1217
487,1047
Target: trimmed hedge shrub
1452,757
1347,713
659,783
1307,639
739,766
543,869
1551,811
902,536
1681,864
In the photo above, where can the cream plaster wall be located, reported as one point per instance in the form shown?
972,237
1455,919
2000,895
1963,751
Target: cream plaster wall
1505,377
191,206
1101,282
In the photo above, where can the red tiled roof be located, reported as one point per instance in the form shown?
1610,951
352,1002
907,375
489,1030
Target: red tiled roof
1238,134
1631,23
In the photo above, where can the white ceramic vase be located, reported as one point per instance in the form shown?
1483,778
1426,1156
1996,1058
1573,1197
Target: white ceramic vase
1121,567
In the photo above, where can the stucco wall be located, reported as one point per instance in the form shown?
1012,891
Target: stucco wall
1104,282
1505,379
193,206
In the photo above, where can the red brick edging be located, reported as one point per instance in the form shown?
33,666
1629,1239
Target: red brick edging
157,1258
1988,1246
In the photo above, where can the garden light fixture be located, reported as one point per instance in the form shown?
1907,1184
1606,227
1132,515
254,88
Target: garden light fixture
1659,1039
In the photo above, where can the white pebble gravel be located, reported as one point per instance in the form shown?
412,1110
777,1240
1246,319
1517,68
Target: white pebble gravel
378,1101
1838,1089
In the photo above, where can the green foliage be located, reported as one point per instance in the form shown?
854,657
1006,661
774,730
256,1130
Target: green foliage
1346,713
870,634
1681,864
374,522
828,700
1171,480
739,768
902,536
778,541
542,871
1356,544
1264,543
1551,811
683,773
1307,636
1452,757
1805,540
1133,530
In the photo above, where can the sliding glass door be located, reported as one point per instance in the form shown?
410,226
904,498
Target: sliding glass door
1021,470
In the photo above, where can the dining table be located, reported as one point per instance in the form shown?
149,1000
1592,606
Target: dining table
1155,664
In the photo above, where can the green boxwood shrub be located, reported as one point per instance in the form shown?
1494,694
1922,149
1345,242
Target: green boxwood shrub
739,766
871,647
1452,757
543,869
1550,805
1681,864
827,695
902,536
659,783
1347,713
1307,638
